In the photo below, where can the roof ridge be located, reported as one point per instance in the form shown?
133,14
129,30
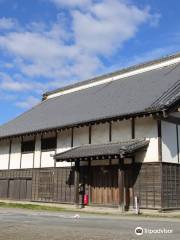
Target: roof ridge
113,74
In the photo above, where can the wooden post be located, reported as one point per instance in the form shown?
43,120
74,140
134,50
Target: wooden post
121,185
159,140
89,180
133,128
159,129
10,146
76,183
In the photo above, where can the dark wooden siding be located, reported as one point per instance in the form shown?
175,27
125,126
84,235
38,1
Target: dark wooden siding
128,186
15,184
53,185
3,189
147,184
170,185
47,185
57,185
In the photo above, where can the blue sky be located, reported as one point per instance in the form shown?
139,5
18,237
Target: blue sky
45,44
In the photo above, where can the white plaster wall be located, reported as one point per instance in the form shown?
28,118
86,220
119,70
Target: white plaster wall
4,154
37,153
63,144
147,128
121,131
46,159
100,133
27,160
81,136
15,154
64,141
169,142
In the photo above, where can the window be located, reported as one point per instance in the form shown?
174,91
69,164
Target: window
28,146
48,144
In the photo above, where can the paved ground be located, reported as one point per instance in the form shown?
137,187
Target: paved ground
16,224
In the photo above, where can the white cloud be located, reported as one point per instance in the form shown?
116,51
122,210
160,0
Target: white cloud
109,23
28,103
18,84
7,23
72,47
48,53
72,3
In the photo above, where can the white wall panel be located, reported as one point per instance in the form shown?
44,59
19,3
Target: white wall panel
100,133
169,142
15,154
27,160
46,159
81,136
147,128
37,153
64,141
121,131
63,144
4,154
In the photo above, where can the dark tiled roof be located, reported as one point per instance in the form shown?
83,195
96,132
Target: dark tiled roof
144,92
167,98
124,70
109,149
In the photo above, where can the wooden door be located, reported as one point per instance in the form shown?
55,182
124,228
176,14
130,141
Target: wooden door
104,185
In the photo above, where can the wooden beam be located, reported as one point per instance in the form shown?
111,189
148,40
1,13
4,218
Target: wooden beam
177,136
10,146
72,137
133,128
159,129
41,149
21,152
89,180
159,140
56,149
110,131
76,183
121,184
34,150
90,128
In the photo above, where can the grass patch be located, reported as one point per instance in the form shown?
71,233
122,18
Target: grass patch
32,207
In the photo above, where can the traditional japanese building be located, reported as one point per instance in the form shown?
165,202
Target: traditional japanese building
112,138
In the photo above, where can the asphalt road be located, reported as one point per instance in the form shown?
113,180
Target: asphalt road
18,224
